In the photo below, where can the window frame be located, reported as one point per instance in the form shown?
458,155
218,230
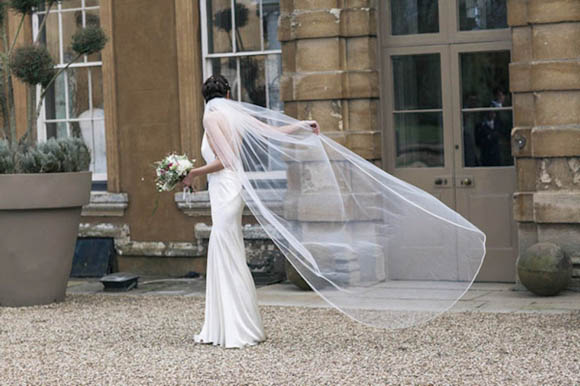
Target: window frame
449,32
234,53
42,121
207,70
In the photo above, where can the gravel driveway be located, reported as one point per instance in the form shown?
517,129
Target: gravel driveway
104,339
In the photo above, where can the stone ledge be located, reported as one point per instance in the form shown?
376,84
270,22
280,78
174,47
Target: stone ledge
197,204
105,204
124,246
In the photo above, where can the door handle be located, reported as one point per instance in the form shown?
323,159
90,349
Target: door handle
440,181
466,181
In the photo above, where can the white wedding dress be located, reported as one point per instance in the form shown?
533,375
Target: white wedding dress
232,318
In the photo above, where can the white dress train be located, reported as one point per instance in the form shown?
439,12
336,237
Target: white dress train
232,317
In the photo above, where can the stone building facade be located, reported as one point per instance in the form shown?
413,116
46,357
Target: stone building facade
395,81
545,82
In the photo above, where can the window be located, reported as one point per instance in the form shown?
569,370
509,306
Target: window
74,103
248,54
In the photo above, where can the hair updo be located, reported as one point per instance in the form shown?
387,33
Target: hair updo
216,86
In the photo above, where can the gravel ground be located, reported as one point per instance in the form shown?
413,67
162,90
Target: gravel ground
103,339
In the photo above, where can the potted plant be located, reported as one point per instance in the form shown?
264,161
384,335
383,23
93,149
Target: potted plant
43,186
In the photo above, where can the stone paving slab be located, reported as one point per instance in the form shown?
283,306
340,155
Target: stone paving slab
482,297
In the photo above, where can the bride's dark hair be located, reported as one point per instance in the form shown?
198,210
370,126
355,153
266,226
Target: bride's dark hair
216,86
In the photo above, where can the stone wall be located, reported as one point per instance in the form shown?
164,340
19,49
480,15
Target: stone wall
329,59
545,81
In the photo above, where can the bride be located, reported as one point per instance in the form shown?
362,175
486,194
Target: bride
232,318
382,251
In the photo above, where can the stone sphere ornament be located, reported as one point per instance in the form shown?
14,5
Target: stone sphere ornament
544,269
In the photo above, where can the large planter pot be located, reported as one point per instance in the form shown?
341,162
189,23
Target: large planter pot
39,221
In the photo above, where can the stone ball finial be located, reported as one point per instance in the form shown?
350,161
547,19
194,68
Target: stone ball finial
544,269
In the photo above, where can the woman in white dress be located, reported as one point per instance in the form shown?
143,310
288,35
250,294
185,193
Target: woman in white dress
232,318
382,251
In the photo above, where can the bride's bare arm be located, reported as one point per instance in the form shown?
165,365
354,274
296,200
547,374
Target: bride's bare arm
289,129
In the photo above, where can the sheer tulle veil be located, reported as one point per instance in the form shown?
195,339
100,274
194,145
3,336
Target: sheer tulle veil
381,250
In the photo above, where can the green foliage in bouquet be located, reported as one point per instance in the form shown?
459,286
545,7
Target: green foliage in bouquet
33,65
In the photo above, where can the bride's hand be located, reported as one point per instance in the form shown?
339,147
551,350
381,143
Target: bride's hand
188,180
314,126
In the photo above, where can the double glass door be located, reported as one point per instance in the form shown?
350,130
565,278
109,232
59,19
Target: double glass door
447,113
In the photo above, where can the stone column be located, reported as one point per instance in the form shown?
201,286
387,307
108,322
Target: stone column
329,50
545,81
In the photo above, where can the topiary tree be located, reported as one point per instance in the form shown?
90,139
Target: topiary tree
33,65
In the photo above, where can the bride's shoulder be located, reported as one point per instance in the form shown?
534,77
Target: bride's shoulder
213,116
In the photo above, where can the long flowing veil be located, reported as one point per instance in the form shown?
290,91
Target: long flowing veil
381,250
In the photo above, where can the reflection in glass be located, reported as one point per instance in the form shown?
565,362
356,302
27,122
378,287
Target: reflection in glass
247,25
417,81
270,15
92,18
485,79
486,138
274,73
419,139
228,68
410,17
482,14
49,35
71,23
219,26
54,103
78,91
253,81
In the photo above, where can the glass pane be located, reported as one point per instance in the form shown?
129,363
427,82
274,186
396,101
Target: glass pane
410,17
78,91
49,35
71,22
97,87
485,79
219,26
93,18
270,14
247,32
56,130
486,138
274,71
55,105
253,80
419,139
482,14
417,81
91,3
71,4
227,68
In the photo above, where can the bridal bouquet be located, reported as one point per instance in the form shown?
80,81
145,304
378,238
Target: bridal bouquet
171,170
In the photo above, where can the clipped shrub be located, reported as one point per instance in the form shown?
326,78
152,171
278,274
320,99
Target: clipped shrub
32,64
25,6
89,40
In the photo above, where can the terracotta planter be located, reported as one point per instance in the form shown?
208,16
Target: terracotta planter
39,221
